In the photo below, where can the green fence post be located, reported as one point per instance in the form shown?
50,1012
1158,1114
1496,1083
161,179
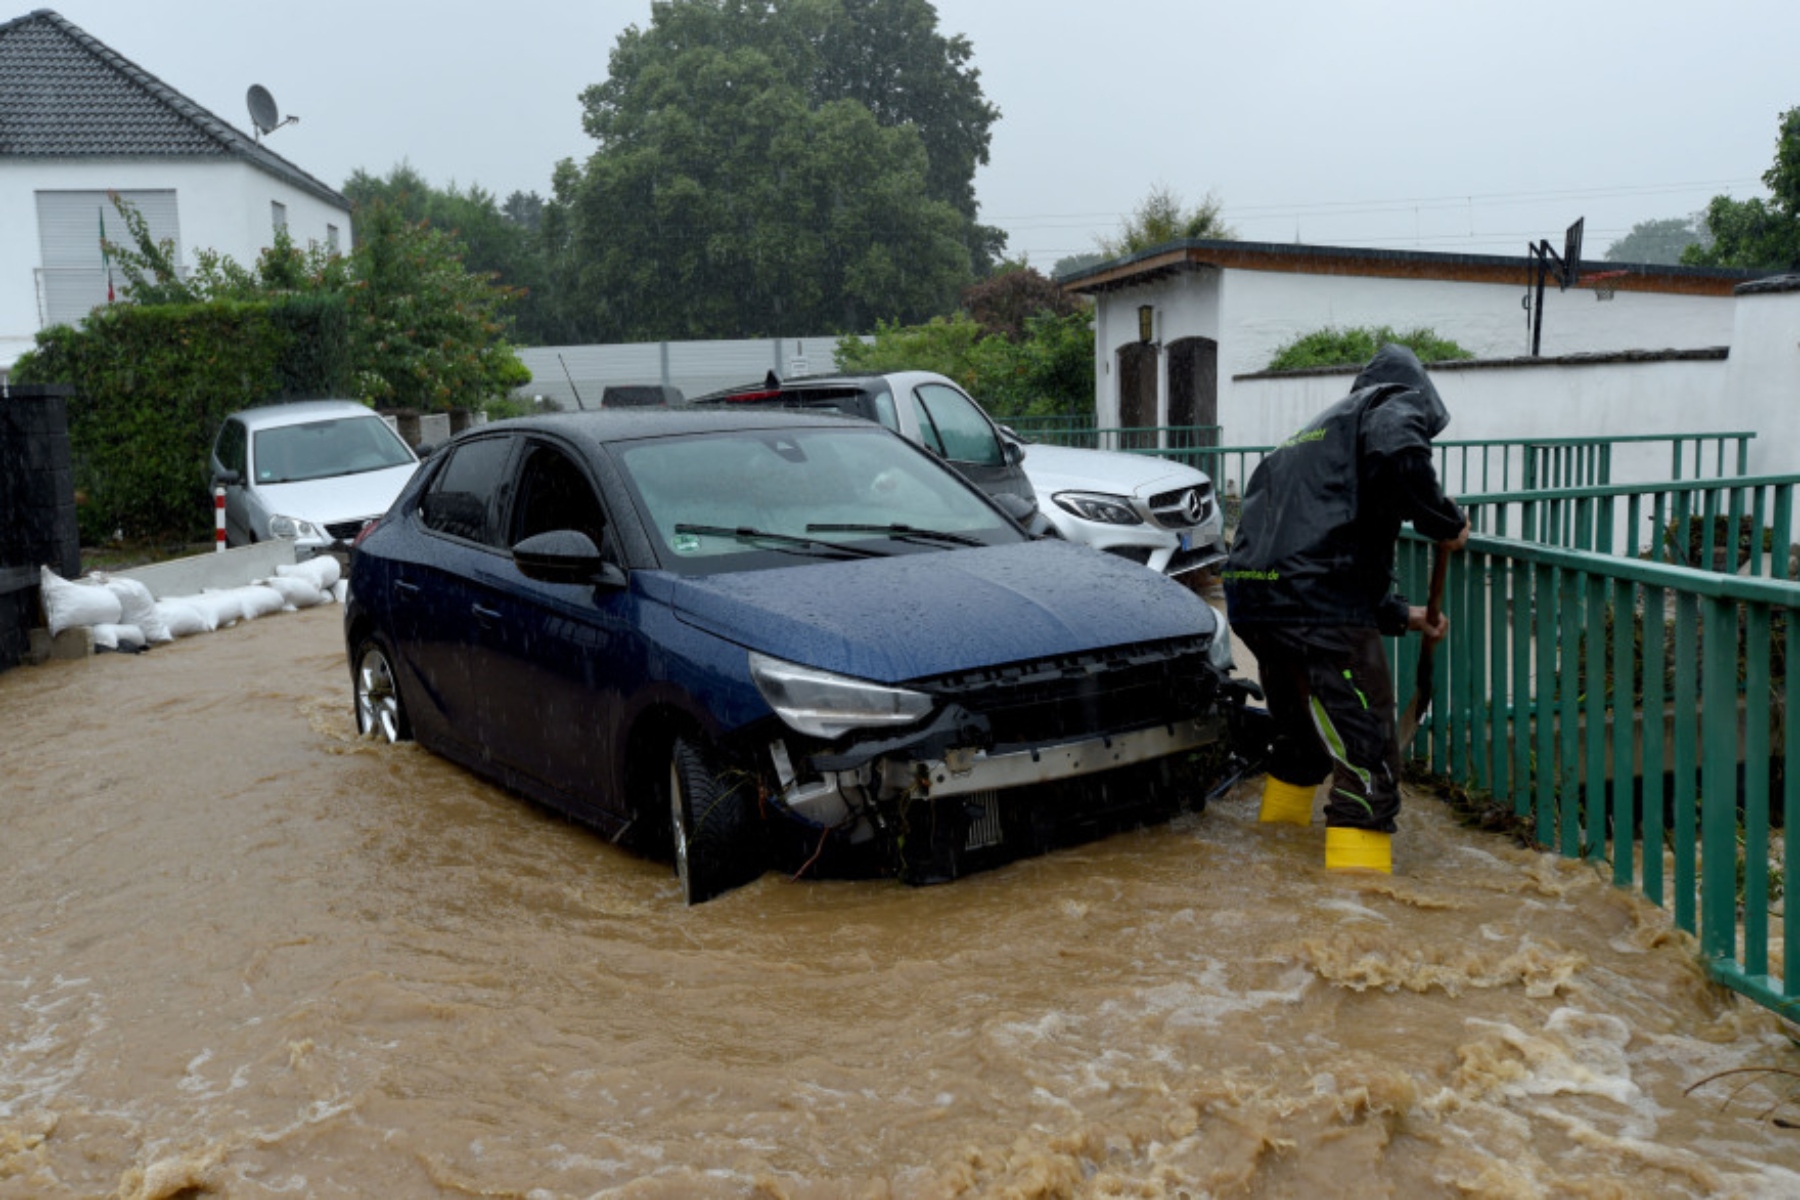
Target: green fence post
1718,789
1655,752
1757,717
1624,692
1686,700
1594,658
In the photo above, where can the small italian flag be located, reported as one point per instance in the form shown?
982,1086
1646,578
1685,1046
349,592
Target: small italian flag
105,258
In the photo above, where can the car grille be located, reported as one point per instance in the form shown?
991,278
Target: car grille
345,531
1084,695
1172,509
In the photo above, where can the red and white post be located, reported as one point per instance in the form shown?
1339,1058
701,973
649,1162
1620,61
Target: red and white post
219,519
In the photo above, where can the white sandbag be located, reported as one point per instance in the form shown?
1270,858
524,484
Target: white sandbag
138,607
340,590
182,617
322,569
67,604
221,608
112,636
259,600
297,590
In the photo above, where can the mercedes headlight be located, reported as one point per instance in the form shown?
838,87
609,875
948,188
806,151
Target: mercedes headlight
1098,507
826,705
295,527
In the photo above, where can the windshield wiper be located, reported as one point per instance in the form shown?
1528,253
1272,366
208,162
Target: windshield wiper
745,533
902,533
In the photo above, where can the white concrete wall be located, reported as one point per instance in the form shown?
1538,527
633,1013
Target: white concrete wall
1764,375
1549,399
1251,313
222,204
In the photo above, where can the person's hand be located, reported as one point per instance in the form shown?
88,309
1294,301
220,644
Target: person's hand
1459,541
1418,620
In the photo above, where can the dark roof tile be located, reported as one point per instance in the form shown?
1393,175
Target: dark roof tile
64,94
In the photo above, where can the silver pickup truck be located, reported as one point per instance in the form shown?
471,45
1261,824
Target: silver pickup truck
1151,510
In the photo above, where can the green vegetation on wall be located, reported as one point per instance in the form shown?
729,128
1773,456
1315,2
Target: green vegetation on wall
153,383
1354,346
1047,371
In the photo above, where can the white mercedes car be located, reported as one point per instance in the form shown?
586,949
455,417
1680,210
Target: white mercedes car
1152,510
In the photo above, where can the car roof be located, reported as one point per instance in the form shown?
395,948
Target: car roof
628,424
896,380
297,412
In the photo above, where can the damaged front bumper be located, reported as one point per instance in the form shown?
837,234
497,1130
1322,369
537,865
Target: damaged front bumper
849,791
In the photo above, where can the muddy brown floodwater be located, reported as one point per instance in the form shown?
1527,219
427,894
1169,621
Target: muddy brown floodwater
243,953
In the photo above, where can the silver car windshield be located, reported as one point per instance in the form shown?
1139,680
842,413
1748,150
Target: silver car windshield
324,449
838,485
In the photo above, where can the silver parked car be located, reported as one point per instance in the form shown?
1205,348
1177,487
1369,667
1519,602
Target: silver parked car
315,471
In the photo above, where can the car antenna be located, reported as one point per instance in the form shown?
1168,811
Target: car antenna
572,388
772,381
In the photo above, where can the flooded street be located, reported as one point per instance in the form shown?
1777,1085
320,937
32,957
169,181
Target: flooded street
243,953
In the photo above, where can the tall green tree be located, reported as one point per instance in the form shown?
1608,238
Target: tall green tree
1756,234
1162,216
749,181
1662,240
505,241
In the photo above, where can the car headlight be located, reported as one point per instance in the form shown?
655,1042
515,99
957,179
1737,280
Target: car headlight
1219,653
294,527
1098,506
826,705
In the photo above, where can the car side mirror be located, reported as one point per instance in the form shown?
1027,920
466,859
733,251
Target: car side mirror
1015,453
566,556
425,450
228,478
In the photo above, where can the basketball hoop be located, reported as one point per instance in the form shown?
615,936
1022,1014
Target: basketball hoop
1603,283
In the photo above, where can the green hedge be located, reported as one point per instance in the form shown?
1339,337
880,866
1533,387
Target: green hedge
153,384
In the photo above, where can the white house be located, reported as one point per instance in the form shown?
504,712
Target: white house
78,120
1181,328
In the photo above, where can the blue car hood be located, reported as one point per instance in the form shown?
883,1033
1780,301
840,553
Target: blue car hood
918,615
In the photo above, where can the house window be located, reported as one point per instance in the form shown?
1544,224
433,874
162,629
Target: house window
331,238
72,279
278,213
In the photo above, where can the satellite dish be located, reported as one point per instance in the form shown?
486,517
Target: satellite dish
263,113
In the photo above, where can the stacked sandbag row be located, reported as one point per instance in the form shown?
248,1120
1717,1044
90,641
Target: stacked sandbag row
122,614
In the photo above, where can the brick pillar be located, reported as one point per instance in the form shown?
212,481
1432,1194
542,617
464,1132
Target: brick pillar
37,507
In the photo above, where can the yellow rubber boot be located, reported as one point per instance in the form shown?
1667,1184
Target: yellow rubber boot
1359,850
1291,803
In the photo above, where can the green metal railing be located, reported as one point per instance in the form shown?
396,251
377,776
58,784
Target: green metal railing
1480,465
1636,713
1687,523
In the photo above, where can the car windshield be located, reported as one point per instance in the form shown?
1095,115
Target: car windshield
327,448
708,497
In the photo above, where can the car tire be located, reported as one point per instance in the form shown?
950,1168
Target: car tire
380,712
713,823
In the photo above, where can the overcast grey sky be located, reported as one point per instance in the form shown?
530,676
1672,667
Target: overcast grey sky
1453,125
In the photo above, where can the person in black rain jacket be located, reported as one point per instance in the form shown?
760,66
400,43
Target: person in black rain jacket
1309,589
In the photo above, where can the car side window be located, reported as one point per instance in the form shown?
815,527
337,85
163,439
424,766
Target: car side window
885,410
554,493
233,443
464,497
950,424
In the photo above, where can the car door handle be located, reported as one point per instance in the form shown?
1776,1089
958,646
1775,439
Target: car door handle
486,616
405,588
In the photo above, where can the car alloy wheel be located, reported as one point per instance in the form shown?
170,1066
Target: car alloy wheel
379,709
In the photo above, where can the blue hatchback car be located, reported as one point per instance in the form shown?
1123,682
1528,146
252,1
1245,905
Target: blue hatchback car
748,640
